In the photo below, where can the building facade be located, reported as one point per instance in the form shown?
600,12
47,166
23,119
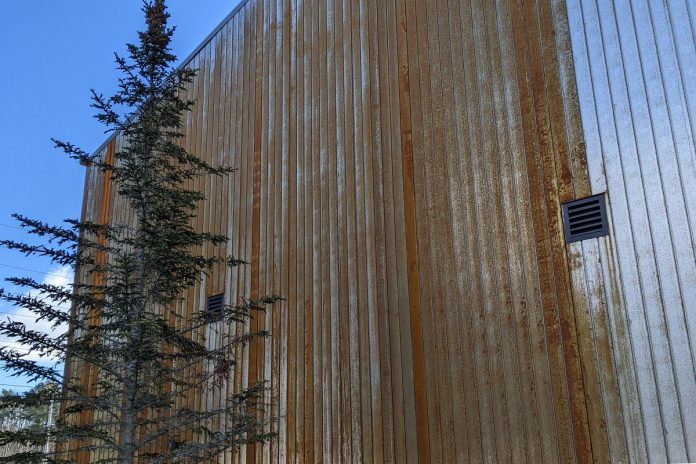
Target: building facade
403,167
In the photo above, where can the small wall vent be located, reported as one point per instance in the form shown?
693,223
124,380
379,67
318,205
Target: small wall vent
585,218
215,307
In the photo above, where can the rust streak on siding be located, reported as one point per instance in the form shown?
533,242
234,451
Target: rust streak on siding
90,373
421,405
402,166
254,358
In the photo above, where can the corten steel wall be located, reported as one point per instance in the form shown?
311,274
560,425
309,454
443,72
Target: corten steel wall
401,166
98,206
636,72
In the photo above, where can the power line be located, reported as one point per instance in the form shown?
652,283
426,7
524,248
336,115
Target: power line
18,315
30,270
3,313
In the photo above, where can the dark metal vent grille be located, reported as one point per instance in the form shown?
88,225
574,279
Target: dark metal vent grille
585,218
215,306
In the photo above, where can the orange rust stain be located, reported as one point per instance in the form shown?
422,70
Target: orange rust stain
592,337
69,362
555,174
254,355
417,334
414,299
563,351
412,255
90,373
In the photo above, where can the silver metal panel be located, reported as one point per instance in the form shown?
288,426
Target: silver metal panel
635,66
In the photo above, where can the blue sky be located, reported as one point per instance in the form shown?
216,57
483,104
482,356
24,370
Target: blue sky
53,52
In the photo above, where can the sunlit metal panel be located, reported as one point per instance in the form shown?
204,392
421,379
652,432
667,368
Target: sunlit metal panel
636,75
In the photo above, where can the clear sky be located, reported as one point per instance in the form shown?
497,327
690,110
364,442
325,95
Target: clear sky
53,52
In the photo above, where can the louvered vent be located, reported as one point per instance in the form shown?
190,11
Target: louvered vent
585,218
215,307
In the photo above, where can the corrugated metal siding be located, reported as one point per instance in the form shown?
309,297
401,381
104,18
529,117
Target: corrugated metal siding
401,167
491,155
636,75
97,208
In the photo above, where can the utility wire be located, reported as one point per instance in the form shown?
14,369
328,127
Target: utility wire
3,313
30,270
28,316
18,315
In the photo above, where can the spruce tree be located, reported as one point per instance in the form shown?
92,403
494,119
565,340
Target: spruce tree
132,278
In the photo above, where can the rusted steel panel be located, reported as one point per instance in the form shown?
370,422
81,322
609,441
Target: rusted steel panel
415,427
635,71
91,211
400,170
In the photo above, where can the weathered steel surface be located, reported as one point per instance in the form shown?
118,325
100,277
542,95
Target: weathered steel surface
98,208
636,77
400,170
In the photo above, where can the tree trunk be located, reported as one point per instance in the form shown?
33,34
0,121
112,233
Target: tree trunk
128,445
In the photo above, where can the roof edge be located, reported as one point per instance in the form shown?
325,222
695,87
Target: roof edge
188,59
